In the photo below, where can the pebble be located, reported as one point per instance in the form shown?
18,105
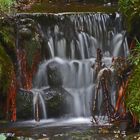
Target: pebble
116,136
44,135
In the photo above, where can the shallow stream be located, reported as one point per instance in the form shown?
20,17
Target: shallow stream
61,129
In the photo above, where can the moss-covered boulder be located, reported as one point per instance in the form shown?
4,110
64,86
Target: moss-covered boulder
24,106
57,102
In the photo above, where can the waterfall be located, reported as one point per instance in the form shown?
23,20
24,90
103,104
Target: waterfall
38,99
72,40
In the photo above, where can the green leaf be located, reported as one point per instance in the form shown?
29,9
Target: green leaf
2,137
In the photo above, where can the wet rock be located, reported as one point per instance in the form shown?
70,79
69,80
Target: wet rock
57,99
25,28
24,106
123,126
26,21
57,102
25,33
54,74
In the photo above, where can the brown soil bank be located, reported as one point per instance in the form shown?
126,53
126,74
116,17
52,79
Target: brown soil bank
46,6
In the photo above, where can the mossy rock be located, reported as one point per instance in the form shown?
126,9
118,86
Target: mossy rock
54,106
58,104
54,74
24,105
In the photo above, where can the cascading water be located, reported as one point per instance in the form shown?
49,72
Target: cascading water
38,96
71,40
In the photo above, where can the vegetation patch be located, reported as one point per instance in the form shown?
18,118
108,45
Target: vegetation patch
133,91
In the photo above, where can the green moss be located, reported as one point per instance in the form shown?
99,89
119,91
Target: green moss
24,110
5,5
54,106
31,46
133,90
131,12
6,67
7,38
7,56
